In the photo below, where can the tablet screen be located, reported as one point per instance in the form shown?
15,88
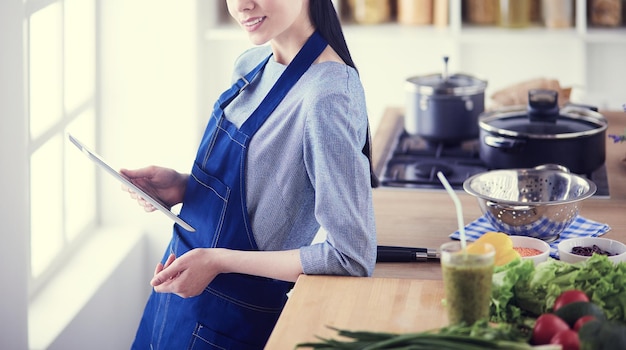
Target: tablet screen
102,164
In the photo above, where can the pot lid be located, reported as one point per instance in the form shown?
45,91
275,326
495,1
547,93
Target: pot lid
441,84
445,84
569,122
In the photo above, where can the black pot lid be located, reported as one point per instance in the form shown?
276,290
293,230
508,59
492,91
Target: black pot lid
453,85
569,122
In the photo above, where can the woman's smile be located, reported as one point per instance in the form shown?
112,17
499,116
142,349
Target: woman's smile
253,23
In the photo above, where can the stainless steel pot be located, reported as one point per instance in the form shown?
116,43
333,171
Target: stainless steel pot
541,133
442,108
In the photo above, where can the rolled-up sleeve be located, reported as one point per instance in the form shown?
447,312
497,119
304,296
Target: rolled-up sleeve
335,132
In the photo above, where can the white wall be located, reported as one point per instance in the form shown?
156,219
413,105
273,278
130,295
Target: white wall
109,317
14,204
149,100
149,109
386,55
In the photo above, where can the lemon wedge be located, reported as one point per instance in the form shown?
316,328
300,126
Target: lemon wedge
501,242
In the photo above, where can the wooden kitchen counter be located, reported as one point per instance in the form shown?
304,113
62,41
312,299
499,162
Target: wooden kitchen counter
425,218
380,304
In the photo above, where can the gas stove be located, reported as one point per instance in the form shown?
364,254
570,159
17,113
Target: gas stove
414,162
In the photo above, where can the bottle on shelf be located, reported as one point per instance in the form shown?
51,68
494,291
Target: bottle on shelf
513,13
370,11
536,12
481,12
558,13
605,13
440,13
415,12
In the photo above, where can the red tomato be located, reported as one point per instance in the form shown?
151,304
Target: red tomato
568,339
569,296
546,327
581,321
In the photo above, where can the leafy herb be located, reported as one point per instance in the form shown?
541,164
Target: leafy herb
618,138
494,331
413,341
622,137
480,335
522,291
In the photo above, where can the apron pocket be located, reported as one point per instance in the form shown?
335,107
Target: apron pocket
205,203
204,338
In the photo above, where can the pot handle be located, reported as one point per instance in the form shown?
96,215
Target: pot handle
579,105
502,142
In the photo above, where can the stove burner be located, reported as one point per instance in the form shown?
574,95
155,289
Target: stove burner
441,144
429,170
414,163
416,146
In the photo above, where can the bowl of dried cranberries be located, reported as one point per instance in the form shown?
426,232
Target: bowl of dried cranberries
579,249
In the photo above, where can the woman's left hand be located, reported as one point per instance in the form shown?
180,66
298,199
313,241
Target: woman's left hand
187,275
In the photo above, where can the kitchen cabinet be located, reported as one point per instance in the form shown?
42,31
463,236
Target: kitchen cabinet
586,57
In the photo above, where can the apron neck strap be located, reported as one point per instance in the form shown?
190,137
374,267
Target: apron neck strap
241,84
303,60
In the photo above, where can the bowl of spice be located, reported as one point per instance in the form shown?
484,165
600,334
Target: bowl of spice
579,249
530,248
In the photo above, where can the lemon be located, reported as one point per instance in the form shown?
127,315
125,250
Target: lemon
501,242
478,248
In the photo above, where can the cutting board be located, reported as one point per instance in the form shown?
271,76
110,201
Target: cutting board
356,303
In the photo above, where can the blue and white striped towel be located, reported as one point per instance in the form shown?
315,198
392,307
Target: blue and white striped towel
580,227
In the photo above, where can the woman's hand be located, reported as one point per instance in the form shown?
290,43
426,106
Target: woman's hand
166,185
187,275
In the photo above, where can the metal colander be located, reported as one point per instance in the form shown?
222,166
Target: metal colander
539,202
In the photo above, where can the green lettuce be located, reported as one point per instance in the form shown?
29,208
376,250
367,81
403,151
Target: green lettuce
522,290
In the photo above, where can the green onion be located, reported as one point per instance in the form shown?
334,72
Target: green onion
479,336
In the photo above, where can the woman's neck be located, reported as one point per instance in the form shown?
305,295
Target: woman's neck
287,45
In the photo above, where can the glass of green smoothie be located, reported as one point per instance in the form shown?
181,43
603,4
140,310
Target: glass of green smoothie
467,280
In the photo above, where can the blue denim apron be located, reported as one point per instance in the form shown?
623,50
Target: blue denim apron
234,311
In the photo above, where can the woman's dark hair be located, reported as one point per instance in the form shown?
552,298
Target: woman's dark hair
326,21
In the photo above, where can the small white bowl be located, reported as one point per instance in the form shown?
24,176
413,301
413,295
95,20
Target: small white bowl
535,243
609,245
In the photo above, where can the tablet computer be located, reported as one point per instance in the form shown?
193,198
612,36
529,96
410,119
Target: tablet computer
102,164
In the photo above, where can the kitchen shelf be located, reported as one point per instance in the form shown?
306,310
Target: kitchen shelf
221,26
532,34
468,33
603,35
583,56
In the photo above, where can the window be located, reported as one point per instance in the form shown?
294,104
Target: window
61,97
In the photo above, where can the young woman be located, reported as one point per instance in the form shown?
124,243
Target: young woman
285,152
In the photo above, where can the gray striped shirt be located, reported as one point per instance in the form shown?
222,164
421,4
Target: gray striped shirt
305,168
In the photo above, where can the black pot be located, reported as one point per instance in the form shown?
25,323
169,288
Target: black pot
442,108
541,133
